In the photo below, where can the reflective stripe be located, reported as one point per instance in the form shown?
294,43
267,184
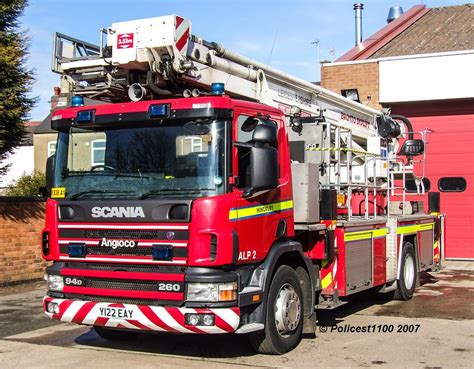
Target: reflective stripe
259,210
327,280
363,235
374,233
343,149
156,318
415,228
436,251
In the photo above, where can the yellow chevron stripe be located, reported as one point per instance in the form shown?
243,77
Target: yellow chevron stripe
327,280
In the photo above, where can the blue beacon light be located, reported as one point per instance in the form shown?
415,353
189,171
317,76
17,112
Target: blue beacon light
217,88
77,100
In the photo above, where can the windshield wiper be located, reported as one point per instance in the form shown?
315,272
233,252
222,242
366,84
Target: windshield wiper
106,174
79,194
178,190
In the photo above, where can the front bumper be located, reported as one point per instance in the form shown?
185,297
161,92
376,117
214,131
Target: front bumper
142,317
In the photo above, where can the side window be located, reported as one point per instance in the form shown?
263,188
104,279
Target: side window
98,152
51,148
452,184
245,128
244,135
410,185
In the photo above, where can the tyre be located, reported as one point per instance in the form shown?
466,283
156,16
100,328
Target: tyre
408,273
115,334
284,315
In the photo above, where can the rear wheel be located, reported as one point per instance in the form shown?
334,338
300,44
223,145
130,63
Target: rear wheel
284,315
115,334
407,282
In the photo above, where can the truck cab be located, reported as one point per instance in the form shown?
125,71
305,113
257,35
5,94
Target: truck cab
167,212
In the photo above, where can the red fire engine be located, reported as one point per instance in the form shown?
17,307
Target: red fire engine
204,192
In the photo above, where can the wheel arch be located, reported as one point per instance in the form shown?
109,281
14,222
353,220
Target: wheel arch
413,239
291,253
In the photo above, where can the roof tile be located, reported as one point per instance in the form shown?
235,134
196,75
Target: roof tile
441,29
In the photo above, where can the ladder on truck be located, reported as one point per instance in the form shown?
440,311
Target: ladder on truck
164,57
160,57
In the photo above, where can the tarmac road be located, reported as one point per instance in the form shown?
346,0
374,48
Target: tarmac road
434,329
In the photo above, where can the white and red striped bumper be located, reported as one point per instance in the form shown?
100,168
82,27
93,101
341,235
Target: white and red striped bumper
142,317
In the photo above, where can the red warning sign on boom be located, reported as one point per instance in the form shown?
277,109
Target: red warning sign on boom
125,41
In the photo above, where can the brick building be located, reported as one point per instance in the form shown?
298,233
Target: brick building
421,65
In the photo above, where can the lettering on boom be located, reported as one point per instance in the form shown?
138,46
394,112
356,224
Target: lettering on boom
294,97
355,120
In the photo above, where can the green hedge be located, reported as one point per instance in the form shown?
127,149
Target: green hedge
28,185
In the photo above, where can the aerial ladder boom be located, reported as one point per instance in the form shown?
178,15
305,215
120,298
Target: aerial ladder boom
162,56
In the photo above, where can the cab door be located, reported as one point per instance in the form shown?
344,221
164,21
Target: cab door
262,218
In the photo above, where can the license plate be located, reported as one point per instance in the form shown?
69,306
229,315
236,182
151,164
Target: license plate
113,312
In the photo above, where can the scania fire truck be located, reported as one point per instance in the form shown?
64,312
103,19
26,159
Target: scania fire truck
194,190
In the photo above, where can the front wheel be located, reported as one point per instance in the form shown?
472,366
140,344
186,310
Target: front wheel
408,274
115,334
284,315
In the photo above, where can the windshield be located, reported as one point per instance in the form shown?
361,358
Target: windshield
172,160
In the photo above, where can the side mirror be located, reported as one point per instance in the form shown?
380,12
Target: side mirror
263,170
264,134
50,163
412,147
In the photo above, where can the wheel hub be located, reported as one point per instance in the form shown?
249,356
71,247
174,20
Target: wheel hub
287,310
409,271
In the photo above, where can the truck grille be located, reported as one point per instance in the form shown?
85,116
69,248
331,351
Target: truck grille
116,284
164,287
129,234
99,242
127,267
103,279
120,285
135,251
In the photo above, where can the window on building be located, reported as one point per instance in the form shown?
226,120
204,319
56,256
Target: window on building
51,148
98,152
410,185
351,94
452,184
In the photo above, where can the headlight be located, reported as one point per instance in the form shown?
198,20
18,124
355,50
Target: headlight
55,283
212,292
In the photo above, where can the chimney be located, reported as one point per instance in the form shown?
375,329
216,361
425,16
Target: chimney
394,13
55,98
358,7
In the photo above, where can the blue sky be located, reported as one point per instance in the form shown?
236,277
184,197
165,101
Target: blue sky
277,32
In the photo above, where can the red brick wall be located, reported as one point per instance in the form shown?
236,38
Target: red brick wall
20,241
363,76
